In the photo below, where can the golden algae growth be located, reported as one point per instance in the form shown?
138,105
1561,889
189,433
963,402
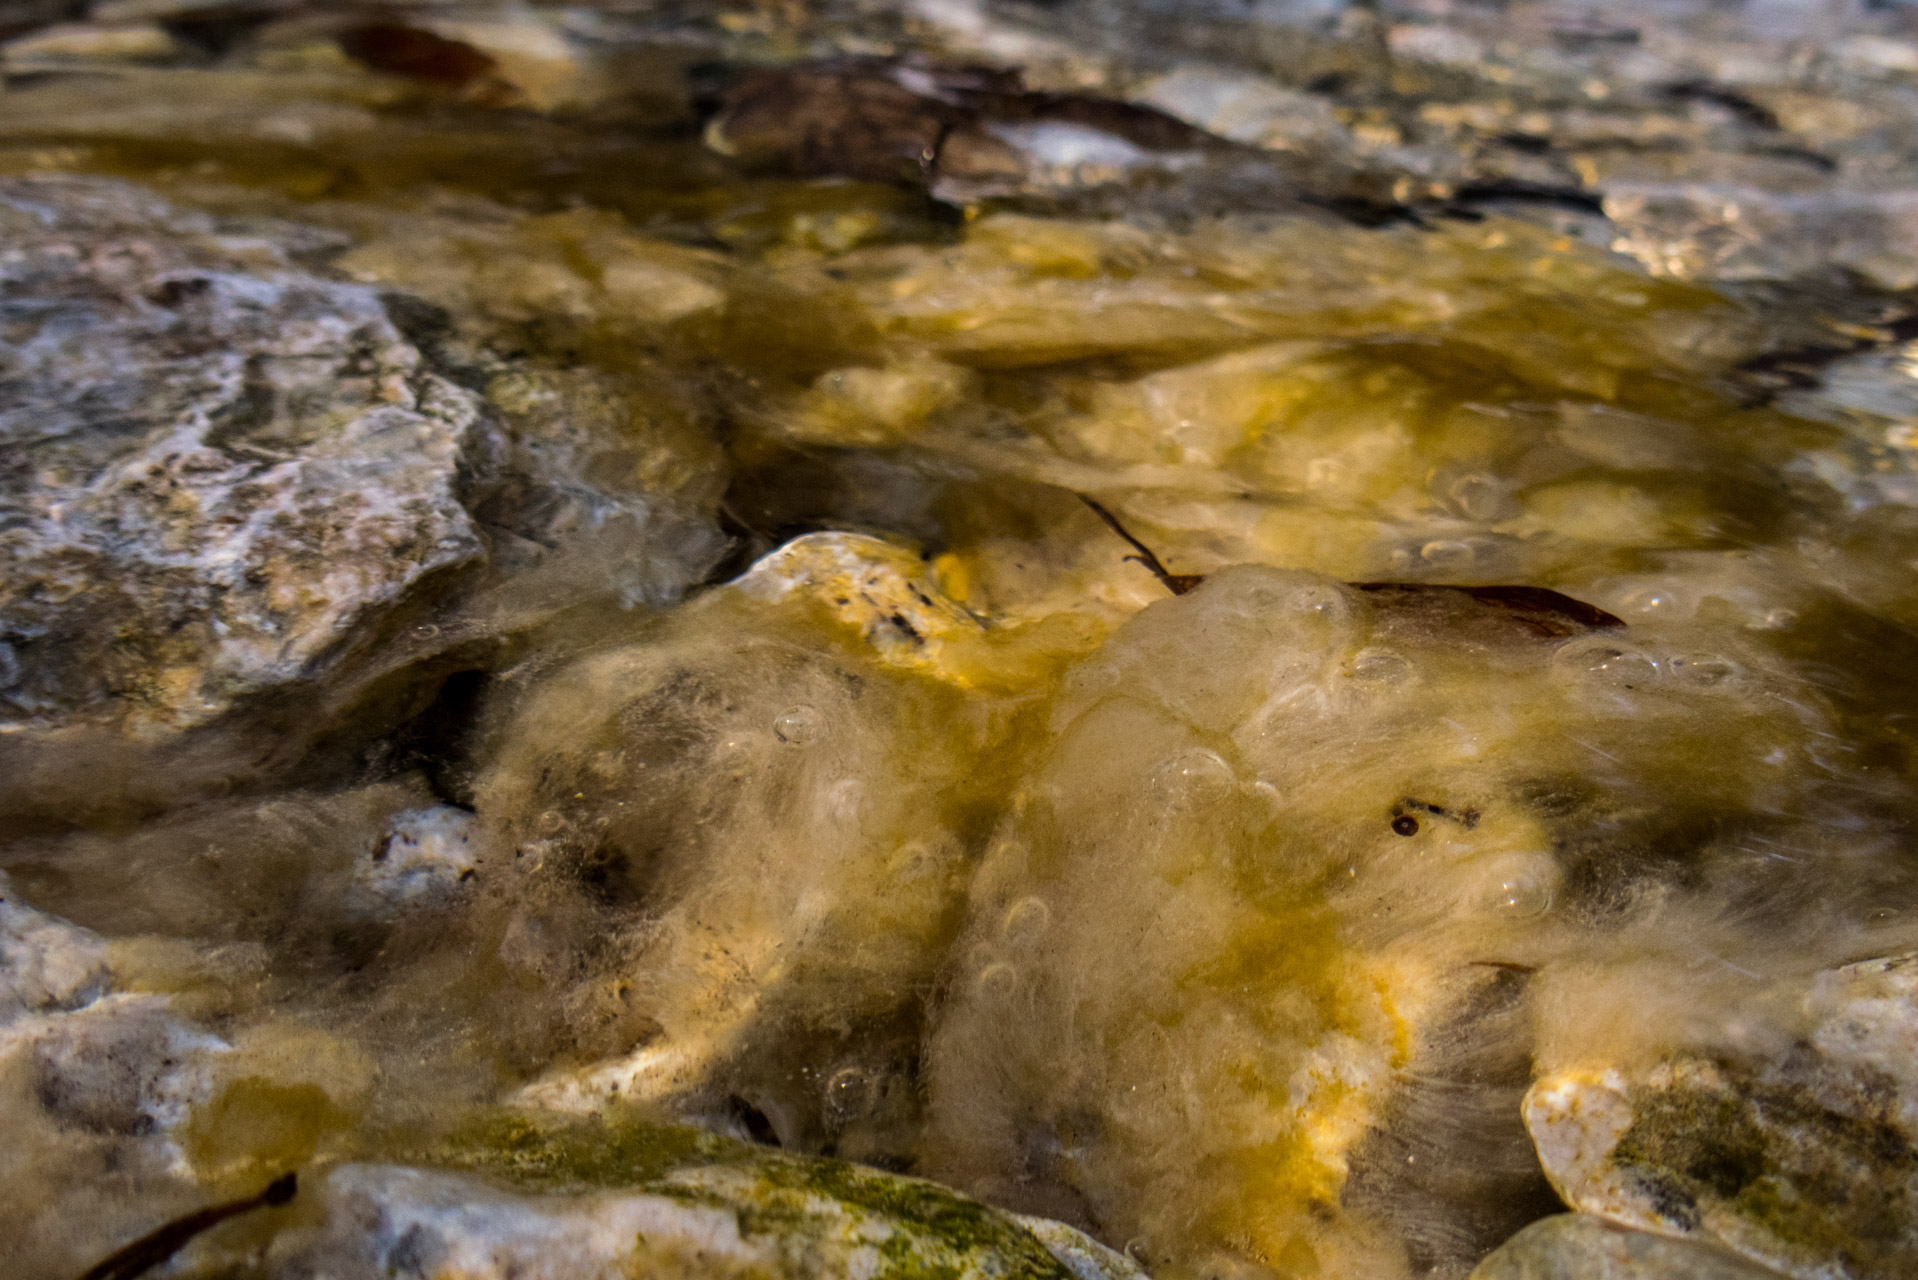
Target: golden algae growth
929,641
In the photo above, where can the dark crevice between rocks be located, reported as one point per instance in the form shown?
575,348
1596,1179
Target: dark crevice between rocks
1470,199
1753,113
754,1121
1449,1159
215,31
438,743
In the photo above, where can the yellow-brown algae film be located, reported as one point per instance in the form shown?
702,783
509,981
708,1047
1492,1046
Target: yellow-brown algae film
1231,926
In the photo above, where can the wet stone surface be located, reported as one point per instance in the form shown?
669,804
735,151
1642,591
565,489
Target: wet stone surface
1806,1162
959,639
221,467
1576,1247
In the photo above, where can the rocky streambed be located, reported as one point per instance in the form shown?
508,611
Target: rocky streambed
957,641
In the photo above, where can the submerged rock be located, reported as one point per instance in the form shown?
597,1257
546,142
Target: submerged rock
1230,925
94,1080
1574,1246
969,133
813,738
1271,897
46,964
680,1203
424,856
1807,1162
879,588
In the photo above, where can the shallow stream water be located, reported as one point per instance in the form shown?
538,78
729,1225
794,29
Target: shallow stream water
1221,644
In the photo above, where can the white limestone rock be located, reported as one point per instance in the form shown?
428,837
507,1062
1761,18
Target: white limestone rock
222,468
94,1085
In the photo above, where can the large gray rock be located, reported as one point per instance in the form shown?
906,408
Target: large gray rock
240,499
220,466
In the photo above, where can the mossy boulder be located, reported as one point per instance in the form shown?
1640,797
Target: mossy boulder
519,1196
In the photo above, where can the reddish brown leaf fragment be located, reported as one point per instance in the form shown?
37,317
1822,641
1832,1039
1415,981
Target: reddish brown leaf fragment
415,53
1545,613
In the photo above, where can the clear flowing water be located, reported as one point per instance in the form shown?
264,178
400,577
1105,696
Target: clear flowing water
1154,704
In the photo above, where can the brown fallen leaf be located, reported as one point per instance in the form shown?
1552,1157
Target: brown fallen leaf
845,118
1540,611
1544,612
417,54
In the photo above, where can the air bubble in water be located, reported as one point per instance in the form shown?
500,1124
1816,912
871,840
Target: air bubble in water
1447,553
997,981
1657,601
1376,665
427,632
1191,772
1606,664
797,726
1026,920
1522,898
1315,599
1275,598
1478,496
549,822
1522,890
852,1093
1702,670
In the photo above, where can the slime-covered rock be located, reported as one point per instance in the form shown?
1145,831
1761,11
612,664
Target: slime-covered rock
1157,611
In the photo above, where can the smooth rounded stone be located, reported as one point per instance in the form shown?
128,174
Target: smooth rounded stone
687,1205
1246,108
1574,1246
223,470
1807,1162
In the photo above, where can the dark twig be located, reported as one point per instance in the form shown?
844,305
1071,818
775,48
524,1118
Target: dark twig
155,1247
1177,583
